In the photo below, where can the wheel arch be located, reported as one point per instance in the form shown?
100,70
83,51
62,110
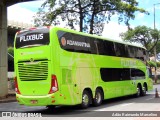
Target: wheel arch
145,84
140,85
90,92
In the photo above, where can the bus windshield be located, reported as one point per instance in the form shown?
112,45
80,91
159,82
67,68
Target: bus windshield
32,37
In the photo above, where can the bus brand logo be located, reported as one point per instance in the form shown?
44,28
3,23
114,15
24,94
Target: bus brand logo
63,41
31,37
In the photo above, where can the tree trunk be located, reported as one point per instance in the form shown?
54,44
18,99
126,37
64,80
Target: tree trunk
92,18
81,17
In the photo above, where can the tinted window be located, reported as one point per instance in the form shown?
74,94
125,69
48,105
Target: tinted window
81,44
131,51
85,44
93,49
136,51
99,46
137,74
115,74
118,74
139,54
120,50
73,42
34,37
109,48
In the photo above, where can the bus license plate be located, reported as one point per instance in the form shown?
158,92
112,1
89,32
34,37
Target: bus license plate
34,101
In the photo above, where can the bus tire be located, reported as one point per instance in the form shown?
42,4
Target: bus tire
86,99
138,91
97,101
50,107
144,90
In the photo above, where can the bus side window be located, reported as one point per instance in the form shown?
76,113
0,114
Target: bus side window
120,50
99,47
109,48
79,38
135,50
115,74
131,51
93,48
137,74
126,51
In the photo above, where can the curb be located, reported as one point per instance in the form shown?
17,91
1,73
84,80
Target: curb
8,98
156,83
7,101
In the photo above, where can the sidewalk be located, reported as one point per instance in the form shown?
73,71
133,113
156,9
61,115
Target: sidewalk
11,97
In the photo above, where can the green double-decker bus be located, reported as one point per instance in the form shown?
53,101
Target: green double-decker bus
57,66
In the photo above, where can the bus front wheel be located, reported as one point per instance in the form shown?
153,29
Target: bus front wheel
97,101
86,99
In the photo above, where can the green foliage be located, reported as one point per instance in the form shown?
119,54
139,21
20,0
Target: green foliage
88,15
11,52
158,64
142,34
158,47
151,63
10,59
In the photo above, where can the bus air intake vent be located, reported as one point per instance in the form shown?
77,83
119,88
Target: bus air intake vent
32,71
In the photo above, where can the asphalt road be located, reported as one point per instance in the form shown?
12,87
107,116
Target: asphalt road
109,108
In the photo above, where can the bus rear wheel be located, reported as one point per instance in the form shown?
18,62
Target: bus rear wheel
86,99
144,90
50,107
138,91
97,101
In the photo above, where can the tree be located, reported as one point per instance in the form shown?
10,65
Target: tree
11,53
142,34
88,15
158,47
10,59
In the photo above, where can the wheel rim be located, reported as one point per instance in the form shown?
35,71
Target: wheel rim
98,97
144,90
85,99
138,91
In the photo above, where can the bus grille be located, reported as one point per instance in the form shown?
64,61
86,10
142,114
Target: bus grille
37,70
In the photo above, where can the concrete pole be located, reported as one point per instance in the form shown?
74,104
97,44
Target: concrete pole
3,50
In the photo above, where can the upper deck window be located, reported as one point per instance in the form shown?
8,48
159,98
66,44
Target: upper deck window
85,44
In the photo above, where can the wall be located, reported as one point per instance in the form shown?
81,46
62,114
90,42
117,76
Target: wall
3,50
